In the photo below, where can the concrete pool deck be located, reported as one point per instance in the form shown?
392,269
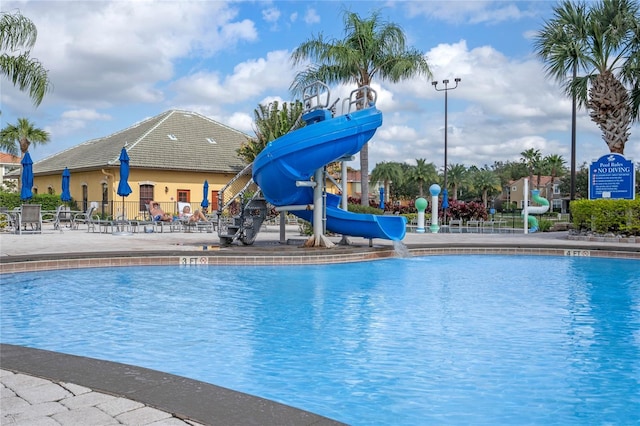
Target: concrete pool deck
42,387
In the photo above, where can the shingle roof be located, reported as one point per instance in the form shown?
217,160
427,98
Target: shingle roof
173,140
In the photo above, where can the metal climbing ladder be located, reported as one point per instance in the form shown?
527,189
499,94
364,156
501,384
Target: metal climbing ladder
242,210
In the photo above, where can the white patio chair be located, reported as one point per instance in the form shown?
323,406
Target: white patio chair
29,215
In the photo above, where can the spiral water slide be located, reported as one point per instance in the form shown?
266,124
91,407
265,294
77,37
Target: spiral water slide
542,208
296,156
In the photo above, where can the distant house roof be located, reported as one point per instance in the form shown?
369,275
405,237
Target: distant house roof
173,140
9,159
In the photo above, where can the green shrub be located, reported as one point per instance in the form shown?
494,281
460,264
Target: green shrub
605,216
12,200
358,208
544,225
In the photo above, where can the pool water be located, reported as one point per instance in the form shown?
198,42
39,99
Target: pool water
423,340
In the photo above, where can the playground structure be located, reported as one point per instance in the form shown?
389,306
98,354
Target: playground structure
290,174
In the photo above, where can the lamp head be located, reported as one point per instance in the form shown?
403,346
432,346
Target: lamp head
445,81
434,83
457,80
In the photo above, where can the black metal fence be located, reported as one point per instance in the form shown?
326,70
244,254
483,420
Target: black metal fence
133,209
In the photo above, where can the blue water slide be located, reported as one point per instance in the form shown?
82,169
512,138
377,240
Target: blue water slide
297,155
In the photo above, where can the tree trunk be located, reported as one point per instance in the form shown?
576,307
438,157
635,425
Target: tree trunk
24,145
609,108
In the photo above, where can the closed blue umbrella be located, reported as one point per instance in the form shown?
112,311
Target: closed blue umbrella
66,194
27,177
123,187
205,195
445,199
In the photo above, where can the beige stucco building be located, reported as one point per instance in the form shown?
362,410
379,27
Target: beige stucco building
171,155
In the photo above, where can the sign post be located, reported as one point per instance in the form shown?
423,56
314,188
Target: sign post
612,176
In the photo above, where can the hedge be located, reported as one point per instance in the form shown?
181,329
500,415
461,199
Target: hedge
607,216
11,200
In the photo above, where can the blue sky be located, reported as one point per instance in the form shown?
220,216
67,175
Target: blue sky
114,63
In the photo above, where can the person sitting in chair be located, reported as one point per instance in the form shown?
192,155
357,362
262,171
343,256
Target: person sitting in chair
195,217
157,213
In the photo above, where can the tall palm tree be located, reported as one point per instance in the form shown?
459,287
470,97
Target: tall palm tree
555,164
603,44
370,48
487,182
531,157
270,122
19,33
18,138
422,173
386,172
456,177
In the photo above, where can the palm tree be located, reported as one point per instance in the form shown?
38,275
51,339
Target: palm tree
555,165
16,33
271,121
487,182
456,177
423,172
387,172
21,135
531,157
603,43
370,48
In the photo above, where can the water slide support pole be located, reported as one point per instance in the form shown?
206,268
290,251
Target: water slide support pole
318,239
317,204
525,210
283,227
344,241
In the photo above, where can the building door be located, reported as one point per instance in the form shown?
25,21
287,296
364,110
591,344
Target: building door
214,200
85,198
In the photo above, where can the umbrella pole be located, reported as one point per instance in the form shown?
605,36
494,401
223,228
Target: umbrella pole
121,225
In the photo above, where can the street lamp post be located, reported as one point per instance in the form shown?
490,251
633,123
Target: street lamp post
445,191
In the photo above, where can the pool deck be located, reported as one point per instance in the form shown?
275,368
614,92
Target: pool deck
49,388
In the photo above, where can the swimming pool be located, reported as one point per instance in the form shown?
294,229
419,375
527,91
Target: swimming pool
426,340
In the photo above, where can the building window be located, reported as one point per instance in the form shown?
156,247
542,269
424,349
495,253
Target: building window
184,195
556,188
146,196
50,190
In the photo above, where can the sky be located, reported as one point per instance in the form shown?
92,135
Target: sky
116,63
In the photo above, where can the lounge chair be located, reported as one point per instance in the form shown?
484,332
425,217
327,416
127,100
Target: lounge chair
85,218
62,215
158,224
29,215
200,225
7,219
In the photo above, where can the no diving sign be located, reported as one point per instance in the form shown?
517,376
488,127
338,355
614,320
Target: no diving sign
612,176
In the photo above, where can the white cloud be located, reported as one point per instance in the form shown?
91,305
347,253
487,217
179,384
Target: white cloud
311,16
271,14
458,12
250,79
108,52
